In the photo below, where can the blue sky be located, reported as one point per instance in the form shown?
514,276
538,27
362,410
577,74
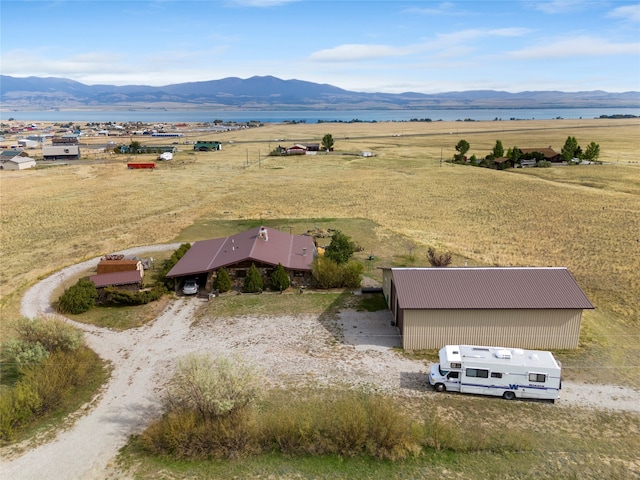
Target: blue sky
369,46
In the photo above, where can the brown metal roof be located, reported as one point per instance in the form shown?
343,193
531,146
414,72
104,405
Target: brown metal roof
279,247
116,278
488,288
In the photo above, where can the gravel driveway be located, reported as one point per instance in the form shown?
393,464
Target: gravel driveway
355,350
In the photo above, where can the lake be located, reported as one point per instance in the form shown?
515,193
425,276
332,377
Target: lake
311,116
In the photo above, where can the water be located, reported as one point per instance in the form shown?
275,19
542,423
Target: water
310,116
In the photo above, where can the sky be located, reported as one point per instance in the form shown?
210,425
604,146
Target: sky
366,46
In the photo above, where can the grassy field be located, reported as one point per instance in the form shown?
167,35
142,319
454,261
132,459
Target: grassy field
395,205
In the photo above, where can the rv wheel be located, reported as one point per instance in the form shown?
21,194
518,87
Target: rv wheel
509,395
440,387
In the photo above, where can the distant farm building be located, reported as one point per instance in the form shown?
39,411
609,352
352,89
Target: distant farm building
265,248
127,280
15,160
120,265
61,152
155,149
535,308
202,146
65,140
548,154
141,165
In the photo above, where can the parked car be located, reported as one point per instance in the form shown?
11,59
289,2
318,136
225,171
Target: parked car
190,287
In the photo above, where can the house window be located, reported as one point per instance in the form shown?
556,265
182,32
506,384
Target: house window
241,273
477,373
298,273
496,375
537,377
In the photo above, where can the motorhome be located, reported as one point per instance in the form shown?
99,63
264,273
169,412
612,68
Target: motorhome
506,372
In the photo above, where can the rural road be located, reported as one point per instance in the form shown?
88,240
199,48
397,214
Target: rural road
142,359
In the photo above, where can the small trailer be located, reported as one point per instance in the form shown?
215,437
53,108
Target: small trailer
137,165
505,372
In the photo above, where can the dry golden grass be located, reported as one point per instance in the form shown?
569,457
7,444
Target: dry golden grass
585,218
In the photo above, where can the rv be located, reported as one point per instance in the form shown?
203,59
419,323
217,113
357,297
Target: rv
506,372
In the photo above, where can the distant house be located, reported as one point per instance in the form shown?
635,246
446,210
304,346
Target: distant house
296,150
549,153
61,152
202,146
535,308
15,160
265,248
68,139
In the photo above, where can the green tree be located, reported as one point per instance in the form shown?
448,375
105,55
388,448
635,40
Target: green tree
592,152
253,281
279,279
135,146
341,248
327,142
222,282
78,298
570,149
169,263
498,149
462,147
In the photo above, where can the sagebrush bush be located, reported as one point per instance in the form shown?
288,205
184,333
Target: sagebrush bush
212,387
18,405
52,334
20,353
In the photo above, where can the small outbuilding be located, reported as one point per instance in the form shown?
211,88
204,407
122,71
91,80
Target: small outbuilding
15,160
526,307
127,280
61,152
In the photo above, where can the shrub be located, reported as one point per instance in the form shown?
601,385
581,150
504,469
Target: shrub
438,259
253,281
222,282
328,274
543,164
52,333
279,279
78,298
21,353
123,297
212,387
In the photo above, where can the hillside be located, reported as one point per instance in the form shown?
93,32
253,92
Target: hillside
271,93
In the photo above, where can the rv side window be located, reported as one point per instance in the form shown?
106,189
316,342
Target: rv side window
453,375
496,375
477,372
537,377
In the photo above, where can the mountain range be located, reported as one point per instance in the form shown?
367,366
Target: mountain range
271,93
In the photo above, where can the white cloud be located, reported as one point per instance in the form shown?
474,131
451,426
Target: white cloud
574,46
354,52
557,6
630,13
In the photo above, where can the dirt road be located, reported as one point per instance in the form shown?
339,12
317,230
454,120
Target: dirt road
356,350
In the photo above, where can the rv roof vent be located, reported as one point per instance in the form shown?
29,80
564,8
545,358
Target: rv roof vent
503,354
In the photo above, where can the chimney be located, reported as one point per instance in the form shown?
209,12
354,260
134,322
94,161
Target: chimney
304,251
262,233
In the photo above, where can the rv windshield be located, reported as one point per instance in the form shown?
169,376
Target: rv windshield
442,372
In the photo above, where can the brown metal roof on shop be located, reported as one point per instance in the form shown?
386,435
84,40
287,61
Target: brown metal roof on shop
488,288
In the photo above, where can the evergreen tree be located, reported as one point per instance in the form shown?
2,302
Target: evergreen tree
340,249
570,149
222,282
327,142
498,149
253,281
279,279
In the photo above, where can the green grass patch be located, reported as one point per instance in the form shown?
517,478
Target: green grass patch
247,304
371,302
123,318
